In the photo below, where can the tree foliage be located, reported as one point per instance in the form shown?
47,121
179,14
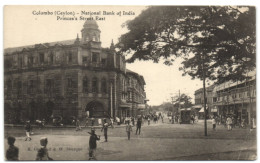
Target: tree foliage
223,38
184,101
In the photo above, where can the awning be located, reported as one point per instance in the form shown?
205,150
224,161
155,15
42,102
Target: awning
186,109
141,106
214,110
197,106
125,105
201,110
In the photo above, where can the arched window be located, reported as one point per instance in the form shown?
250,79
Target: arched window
104,86
85,85
94,85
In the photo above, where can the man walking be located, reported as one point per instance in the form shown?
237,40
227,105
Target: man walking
93,144
78,125
105,128
214,123
28,129
138,125
92,121
229,123
86,123
128,129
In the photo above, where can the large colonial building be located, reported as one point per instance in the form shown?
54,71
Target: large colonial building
70,78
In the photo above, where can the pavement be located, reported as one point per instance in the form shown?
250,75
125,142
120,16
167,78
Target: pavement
160,141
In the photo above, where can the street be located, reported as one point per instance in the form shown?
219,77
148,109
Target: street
160,141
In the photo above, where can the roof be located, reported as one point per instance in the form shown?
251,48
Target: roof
229,84
20,48
210,88
139,77
91,24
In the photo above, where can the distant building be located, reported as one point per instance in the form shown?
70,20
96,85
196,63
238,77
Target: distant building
199,101
237,99
70,78
230,98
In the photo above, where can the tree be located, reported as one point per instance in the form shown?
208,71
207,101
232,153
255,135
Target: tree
215,42
221,40
184,101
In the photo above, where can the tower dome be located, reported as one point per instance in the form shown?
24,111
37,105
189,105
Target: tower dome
90,24
90,31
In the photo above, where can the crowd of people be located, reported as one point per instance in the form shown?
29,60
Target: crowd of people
229,122
12,153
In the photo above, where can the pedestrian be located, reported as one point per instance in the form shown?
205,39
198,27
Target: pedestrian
162,118
128,129
105,128
214,123
239,122
43,154
229,123
176,118
243,123
233,122
12,152
192,119
28,129
78,125
112,122
148,120
138,125
133,120
93,144
92,121
86,123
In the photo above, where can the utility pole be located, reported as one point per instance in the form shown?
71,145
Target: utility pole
204,94
179,100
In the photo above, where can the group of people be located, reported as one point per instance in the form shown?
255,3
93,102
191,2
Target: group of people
12,152
229,122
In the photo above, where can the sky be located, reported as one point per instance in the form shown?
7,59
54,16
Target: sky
23,27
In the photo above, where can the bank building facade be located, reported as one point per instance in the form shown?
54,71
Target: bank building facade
70,78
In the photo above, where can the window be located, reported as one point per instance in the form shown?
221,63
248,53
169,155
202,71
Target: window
20,62
30,60
70,57
69,83
103,61
49,84
94,85
9,85
95,57
85,85
104,86
31,86
84,59
19,87
51,58
41,57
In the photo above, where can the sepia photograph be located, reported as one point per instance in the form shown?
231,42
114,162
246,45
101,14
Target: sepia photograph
129,83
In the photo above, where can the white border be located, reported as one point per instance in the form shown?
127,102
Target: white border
109,2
